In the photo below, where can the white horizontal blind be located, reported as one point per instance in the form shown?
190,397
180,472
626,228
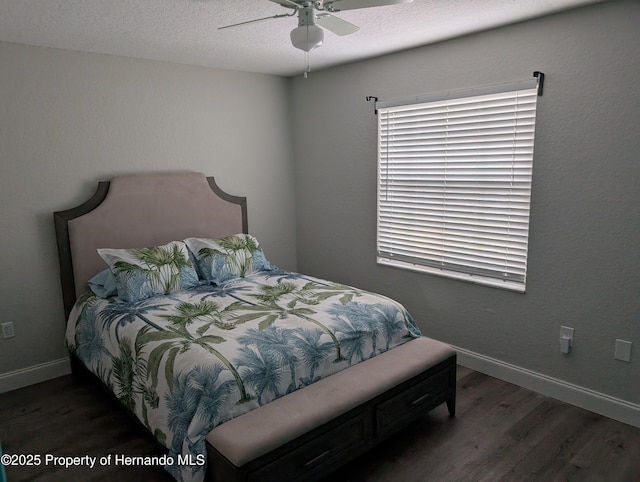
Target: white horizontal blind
454,185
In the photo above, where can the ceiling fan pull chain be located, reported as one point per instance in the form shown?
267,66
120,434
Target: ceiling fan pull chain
307,68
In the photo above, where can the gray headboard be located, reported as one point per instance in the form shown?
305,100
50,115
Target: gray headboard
139,210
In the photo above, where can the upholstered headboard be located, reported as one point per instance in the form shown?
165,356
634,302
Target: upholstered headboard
139,210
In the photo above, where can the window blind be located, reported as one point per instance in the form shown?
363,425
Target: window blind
454,183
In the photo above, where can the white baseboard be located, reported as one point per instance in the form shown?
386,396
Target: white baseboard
591,400
35,374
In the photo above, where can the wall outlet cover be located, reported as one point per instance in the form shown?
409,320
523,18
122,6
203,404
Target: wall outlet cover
567,332
7,330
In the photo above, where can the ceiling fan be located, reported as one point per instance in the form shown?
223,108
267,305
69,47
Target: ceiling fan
315,15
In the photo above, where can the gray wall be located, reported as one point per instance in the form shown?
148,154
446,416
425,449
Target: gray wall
584,259
69,120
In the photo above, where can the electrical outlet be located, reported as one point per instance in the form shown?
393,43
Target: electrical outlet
566,339
7,330
623,351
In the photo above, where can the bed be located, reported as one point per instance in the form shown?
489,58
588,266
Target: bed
241,370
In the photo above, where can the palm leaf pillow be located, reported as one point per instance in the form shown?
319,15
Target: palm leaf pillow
142,273
222,259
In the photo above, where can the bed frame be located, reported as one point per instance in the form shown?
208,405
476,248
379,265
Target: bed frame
304,435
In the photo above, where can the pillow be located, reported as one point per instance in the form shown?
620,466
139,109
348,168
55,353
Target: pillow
142,273
222,259
103,284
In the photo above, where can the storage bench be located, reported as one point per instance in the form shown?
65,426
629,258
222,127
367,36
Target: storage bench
309,433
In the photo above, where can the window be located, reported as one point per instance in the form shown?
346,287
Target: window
454,183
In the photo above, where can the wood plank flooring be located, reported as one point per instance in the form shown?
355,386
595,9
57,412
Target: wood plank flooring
501,432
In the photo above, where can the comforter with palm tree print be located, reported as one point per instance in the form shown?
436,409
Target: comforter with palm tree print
189,361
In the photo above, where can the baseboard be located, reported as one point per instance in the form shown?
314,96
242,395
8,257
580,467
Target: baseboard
35,374
591,400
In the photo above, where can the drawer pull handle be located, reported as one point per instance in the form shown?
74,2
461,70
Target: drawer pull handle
315,459
418,400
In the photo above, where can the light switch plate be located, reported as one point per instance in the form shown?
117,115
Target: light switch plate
623,351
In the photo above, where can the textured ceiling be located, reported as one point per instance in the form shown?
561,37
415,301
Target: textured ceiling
186,31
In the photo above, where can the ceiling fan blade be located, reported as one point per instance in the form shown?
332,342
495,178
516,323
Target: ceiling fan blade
286,3
340,5
335,24
257,20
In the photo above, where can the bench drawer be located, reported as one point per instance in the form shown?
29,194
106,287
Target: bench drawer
412,403
318,453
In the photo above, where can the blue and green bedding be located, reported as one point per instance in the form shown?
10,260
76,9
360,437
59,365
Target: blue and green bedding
188,360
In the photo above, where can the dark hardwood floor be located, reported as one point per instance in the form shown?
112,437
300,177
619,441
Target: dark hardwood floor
500,433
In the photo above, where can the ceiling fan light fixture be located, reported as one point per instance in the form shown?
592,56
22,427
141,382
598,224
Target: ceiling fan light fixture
307,37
